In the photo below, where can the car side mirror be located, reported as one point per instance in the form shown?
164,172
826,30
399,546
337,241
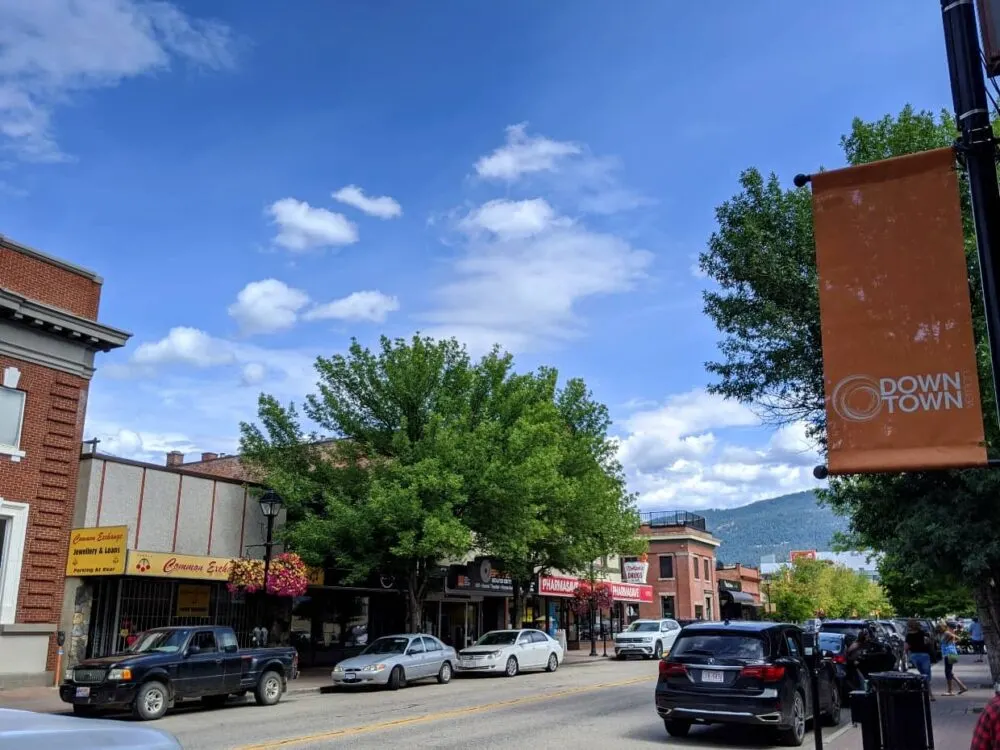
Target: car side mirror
193,650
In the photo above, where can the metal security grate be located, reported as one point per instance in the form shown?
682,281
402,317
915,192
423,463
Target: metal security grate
89,675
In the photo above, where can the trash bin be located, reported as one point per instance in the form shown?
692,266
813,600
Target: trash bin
864,711
904,711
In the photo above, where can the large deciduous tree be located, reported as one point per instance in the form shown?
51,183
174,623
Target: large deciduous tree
941,525
435,456
807,587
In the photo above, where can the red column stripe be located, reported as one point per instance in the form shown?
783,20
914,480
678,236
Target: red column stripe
100,492
177,511
138,520
243,521
211,518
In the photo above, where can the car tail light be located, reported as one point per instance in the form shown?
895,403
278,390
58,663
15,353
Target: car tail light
764,672
839,659
669,669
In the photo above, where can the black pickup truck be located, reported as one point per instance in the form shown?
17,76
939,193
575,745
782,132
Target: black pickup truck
173,664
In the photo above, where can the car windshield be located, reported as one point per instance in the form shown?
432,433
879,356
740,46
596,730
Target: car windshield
498,638
388,646
643,627
720,645
845,628
163,641
831,642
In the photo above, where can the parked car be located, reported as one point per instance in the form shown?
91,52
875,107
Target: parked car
509,652
833,647
879,654
394,661
167,665
27,730
647,638
751,673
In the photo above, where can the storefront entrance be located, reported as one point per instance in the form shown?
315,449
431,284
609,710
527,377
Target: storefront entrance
124,607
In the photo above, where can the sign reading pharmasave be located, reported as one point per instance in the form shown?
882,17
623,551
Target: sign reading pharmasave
621,592
100,551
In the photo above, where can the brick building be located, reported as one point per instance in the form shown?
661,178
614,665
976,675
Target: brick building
681,558
739,591
49,335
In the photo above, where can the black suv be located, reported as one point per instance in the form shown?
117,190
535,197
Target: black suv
880,654
753,673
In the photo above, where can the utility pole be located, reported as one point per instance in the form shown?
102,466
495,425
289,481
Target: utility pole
977,149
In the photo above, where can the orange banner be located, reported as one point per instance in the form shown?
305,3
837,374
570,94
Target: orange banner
899,360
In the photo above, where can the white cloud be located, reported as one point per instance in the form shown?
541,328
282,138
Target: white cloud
519,292
368,305
253,373
302,227
53,49
512,219
267,306
697,450
382,207
523,154
140,446
184,345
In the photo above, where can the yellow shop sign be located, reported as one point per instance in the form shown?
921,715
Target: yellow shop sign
100,551
168,565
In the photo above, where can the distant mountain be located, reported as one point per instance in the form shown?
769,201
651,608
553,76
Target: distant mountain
773,527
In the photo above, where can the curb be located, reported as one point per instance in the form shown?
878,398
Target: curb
293,689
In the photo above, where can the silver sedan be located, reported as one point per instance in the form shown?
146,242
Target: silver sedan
395,660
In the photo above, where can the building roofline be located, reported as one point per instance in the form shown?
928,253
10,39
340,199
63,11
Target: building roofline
170,469
52,260
60,323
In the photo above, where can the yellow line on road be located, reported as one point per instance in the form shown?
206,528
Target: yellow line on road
437,716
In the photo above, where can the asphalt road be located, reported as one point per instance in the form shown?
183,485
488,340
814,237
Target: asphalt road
605,706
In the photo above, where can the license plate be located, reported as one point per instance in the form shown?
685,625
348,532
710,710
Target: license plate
83,692
708,675
350,677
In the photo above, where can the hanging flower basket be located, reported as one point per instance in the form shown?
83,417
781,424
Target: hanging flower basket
587,597
246,575
287,575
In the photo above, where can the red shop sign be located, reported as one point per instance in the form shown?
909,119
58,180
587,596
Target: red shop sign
621,592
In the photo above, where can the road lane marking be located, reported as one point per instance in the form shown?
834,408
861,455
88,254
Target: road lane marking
438,715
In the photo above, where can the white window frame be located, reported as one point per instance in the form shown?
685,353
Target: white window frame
14,451
12,555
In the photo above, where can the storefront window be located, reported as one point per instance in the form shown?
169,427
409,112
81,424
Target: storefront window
326,625
667,609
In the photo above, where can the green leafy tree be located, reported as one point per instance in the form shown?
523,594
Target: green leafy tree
435,457
935,597
808,587
765,304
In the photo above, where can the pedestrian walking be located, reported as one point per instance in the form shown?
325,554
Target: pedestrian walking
918,649
976,636
949,652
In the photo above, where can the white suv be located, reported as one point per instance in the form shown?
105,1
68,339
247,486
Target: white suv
647,638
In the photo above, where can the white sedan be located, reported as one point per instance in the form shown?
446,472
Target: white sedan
508,652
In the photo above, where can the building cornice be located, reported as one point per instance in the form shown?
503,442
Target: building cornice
707,541
46,258
59,323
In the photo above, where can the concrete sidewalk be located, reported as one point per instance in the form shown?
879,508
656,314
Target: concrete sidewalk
953,717
311,680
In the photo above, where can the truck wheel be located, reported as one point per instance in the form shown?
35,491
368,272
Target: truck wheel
268,690
150,702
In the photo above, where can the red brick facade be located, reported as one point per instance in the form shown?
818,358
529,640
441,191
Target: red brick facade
45,478
692,584
48,283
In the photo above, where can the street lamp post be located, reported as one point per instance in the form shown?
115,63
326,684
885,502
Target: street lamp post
270,506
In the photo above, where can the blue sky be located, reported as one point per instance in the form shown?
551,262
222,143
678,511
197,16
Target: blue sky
257,185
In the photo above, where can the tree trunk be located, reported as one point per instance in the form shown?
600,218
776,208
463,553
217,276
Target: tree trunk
415,591
988,604
517,615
